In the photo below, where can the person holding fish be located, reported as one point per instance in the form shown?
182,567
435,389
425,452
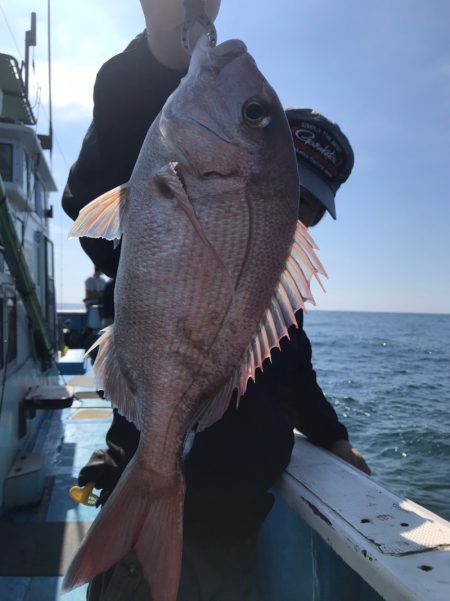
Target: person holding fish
197,200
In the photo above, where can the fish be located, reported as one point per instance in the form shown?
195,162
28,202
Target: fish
213,266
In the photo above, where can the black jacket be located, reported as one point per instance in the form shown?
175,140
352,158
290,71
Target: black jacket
235,461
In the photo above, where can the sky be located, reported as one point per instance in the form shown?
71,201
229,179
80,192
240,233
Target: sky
380,69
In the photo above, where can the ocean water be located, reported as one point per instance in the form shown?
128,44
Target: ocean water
388,378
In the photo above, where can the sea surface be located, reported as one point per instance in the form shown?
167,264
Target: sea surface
388,378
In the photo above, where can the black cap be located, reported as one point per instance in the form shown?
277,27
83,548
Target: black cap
324,154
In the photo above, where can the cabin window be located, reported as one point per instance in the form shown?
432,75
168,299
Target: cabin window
6,161
38,198
50,301
19,224
11,320
31,186
26,174
49,259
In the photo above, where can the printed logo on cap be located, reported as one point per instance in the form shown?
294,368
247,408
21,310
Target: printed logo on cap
318,147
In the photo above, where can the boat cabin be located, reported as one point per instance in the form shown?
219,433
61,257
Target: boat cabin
27,183
28,333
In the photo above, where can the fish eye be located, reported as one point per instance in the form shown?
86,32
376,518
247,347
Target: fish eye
255,114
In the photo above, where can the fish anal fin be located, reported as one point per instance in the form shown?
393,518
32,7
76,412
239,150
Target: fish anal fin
218,404
102,217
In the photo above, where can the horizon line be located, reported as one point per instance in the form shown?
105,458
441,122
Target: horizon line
74,306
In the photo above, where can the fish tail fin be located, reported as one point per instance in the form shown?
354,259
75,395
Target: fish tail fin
159,555
144,513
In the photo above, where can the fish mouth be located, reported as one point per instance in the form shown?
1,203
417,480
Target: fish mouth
229,49
216,57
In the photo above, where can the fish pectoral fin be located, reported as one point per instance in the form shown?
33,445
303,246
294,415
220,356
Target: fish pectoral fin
170,178
102,217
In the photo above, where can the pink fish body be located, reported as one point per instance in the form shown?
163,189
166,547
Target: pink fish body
213,266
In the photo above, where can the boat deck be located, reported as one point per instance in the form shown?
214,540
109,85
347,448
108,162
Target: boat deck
37,543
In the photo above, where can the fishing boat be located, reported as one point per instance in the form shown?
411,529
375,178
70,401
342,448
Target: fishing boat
333,534
28,349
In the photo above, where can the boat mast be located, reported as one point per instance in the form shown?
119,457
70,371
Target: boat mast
49,146
30,40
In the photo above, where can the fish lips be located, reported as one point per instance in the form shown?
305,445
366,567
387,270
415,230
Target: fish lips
215,57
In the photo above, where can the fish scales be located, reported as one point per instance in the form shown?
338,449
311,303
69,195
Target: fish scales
207,221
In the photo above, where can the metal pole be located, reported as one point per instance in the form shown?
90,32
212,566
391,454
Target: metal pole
30,40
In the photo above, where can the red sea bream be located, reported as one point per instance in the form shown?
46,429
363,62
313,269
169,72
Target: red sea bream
213,266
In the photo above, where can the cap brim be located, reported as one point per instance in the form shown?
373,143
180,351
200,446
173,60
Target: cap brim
320,189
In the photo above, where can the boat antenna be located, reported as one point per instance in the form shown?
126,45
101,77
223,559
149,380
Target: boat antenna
50,124
30,40
47,140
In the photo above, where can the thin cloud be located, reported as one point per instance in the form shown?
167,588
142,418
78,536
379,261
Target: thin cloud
71,85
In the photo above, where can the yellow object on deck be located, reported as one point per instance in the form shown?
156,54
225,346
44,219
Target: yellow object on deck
84,494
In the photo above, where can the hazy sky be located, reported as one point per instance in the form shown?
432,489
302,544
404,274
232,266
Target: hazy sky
380,69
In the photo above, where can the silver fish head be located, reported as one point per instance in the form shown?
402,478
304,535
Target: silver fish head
225,119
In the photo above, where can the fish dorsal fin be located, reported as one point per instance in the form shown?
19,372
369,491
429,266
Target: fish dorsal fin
109,378
102,217
290,295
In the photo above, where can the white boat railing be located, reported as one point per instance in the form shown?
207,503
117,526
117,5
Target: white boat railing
398,548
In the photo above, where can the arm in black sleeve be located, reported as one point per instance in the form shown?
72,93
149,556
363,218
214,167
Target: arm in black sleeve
87,180
316,417
107,154
129,92
299,391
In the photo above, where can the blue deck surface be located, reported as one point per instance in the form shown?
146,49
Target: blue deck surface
37,589
66,444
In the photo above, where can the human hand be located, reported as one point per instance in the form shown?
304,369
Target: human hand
344,450
101,469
